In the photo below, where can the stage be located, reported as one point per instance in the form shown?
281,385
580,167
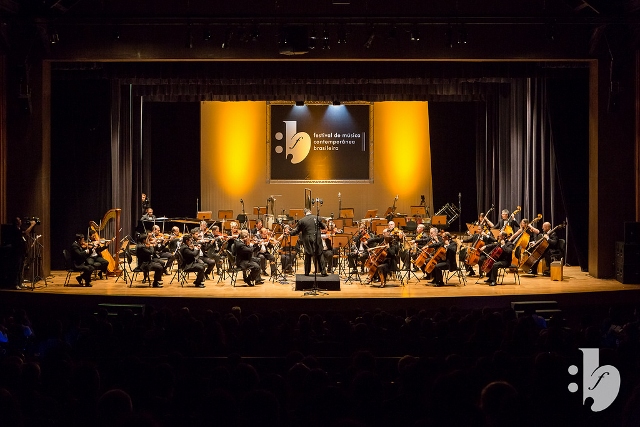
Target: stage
576,291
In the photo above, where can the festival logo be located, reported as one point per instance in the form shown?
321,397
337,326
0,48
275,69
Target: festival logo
296,144
600,383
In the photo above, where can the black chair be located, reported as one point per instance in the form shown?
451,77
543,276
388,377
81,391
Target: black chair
410,227
69,266
180,274
512,269
458,271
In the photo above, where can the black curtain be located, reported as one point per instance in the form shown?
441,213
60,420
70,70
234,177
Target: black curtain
80,160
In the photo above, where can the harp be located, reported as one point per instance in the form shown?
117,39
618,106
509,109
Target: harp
109,229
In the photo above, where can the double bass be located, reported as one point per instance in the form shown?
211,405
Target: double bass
391,210
522,240
507,228
535,252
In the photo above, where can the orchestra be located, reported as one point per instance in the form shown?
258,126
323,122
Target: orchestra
374,249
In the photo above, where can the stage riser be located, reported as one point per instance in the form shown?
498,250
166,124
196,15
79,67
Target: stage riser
329,283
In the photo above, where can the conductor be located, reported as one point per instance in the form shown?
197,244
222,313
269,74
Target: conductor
309,229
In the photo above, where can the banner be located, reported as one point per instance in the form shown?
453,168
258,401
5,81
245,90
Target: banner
320,143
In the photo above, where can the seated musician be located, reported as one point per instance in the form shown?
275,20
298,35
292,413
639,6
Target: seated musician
202,241
162,248
332,230
190,255
358,249
501,261
288,253
449,263
503,222
433,242
148,215
484,235
147,259
216,247
80,252
245,259
389,263
552,239
95,257
255,230
417,245
172,243
327,250
263,252
525,227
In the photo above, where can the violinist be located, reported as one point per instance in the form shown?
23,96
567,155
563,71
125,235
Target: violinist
327,249
201,241
245,259
503,260
359,249
95,256
332,230
147,259
255,230
80,252
264,246
287,252
171,244
449,262
162,248
552,239
192,263
216,247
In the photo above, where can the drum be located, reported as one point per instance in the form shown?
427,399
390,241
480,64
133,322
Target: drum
269,220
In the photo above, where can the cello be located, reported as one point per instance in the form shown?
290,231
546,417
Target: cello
473,254
491,259
439,255
376,256
535,252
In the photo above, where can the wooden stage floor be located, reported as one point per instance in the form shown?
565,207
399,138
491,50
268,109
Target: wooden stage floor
576,289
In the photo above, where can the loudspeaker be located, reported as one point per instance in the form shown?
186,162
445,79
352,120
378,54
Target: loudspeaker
632,232
628,254
628,274
329,283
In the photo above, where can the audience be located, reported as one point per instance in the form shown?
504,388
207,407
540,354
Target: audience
484,367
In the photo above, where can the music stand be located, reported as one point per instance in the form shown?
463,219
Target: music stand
204,215
341,241
371,213
420,211
400,221
346,213
439,221
473,228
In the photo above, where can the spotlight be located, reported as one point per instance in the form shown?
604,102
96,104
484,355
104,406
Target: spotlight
115,35
312,39
299,103
336,102
369,41
206,35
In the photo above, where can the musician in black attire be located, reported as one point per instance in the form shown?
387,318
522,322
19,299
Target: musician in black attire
390,262
449,263
309,229
80,252
503,222
287,252
358,249
148,215
203,239
501,261
244,259
146,203
95,257
17,241
147,259
191,262
552,239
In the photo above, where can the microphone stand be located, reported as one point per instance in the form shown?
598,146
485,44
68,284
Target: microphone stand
315,291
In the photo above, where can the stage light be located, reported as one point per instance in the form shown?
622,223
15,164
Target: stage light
299,103
189,43
369,41
312,39
326,44
206,35
336,102
254,34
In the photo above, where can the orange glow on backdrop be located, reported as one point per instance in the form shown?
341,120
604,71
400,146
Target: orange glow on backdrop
402,147
231,133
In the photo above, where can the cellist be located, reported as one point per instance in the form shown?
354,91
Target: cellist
449,263
501,261
552,238
389,263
